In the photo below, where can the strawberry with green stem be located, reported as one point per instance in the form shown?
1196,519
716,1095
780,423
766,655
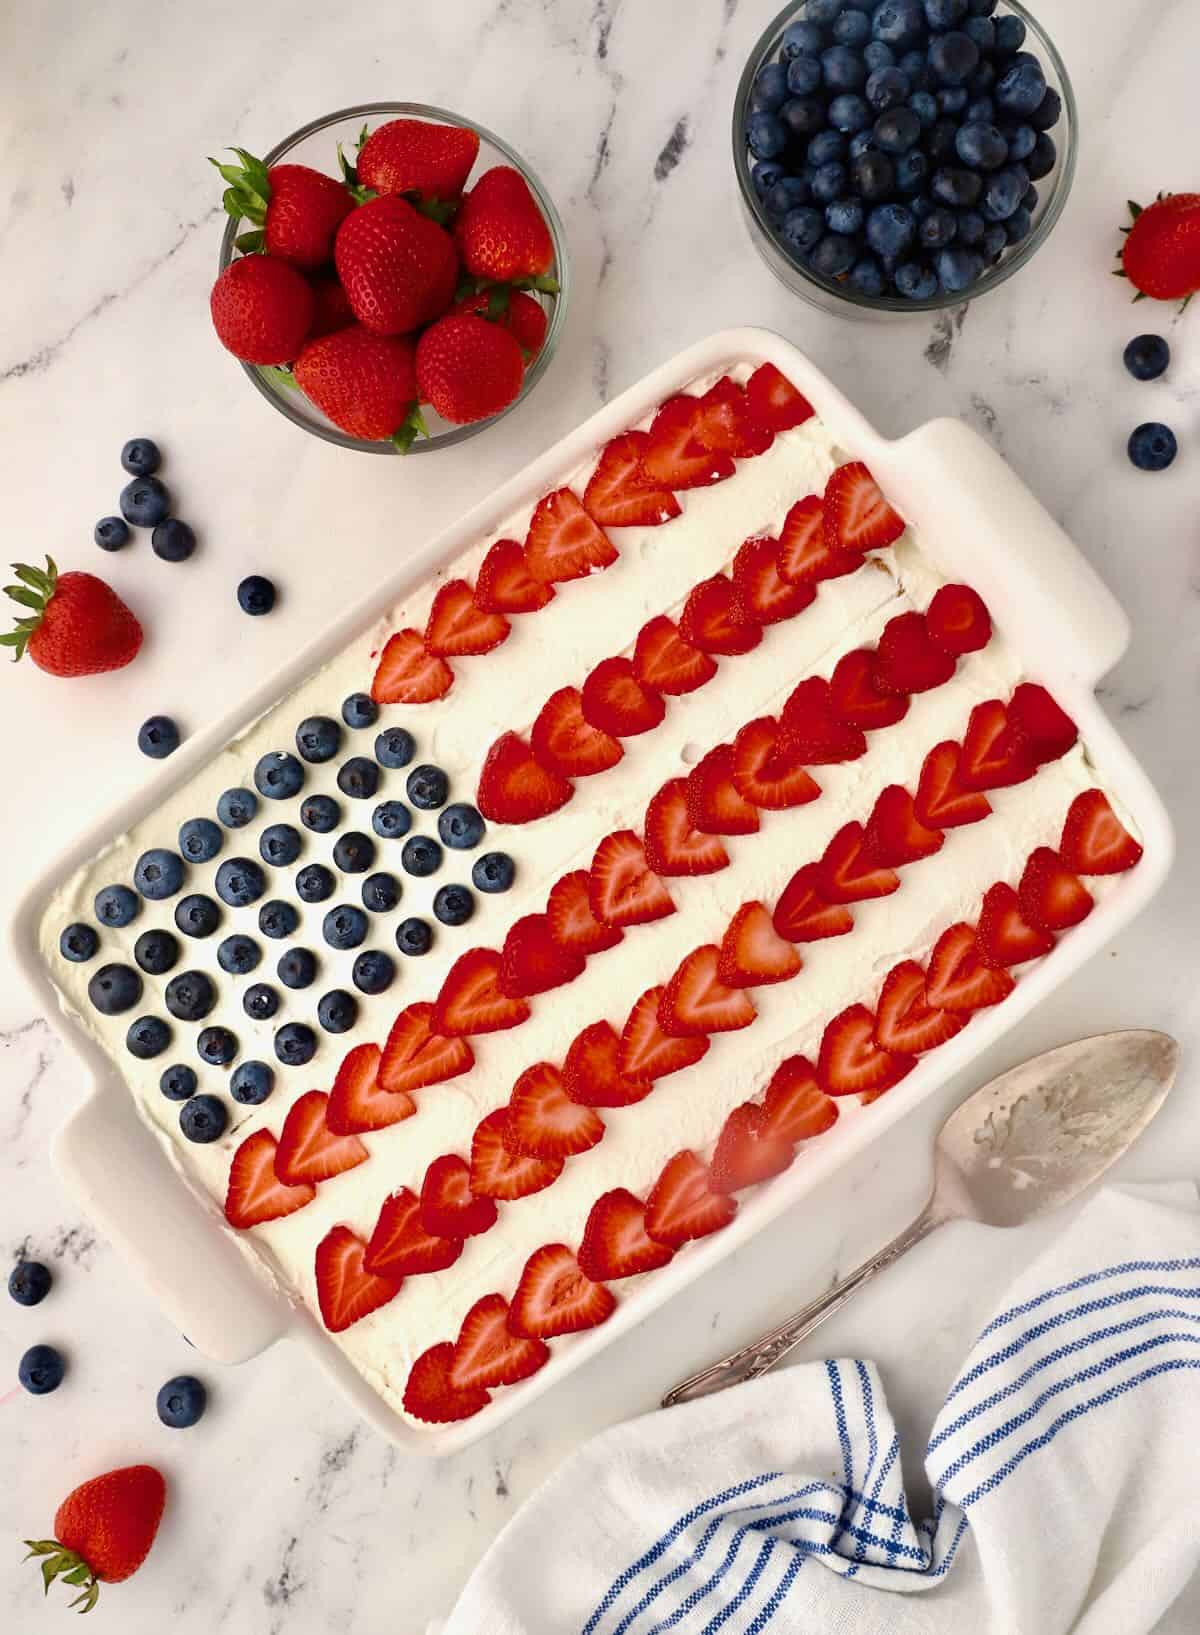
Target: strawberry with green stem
295,210
76,625
1161,253
103,1531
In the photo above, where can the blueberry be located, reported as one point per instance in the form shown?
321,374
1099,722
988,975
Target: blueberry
916,282
238,954
315,883
318,738
960,189
981,146
982,112
866,276
200,839
766,135
191,996
937,229
421,855
1048,111
115,988
921,207
803,77
156,952
801,229
197,915
460,826
277,920
178,1083
358,778
252,1082
260,1001
897,130
278,775
41,1370
1152,446
360,710
1042,159
983,31
1003,193
849,112
148,1036
982,81
297,968
256,595
829,182
995,240
427,787
237,807
158,873
939,142
801,39
217,1047
952,99
203,1118
337,1011
981,8
945,13
887,88
494,871
890,230
373,971
295,1044
872,175
78,943
144,502
414,936
770,87
1029,198
825,148
957,268
1010,34
915,68
843,68
953,57
391,819
344,927
971,227
320,813
764,173
911,170
380,893
354,852
110,533
453,905
1022,139
802,116
899,23
788,193
181,1402
173,540
240,881
279,844
140,457
394,747
1021,87
1019,225
834,256
158,737
852,28
861,142
1146,357
29,1282
877,55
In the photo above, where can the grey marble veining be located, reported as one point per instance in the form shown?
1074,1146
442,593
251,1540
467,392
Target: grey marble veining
286,1516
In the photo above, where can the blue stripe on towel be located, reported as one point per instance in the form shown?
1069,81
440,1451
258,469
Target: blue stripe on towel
1121,1270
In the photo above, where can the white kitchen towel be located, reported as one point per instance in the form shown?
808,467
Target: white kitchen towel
1064,1467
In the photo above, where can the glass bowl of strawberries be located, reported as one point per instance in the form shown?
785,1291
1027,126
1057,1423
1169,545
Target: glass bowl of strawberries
392,278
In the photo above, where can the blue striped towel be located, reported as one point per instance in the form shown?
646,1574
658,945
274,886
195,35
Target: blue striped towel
1064,1467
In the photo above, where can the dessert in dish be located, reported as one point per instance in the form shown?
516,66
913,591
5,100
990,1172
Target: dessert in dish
672,824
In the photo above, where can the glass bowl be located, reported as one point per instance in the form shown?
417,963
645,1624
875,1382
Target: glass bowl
315,144
1052,189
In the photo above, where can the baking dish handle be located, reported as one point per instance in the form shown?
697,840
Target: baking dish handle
953,486
191,1267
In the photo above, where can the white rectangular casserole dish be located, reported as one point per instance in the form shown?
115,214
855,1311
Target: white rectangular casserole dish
976,521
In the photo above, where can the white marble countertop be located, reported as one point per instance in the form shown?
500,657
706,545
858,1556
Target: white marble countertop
287,1515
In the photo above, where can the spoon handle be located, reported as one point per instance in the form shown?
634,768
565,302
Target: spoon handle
754,1359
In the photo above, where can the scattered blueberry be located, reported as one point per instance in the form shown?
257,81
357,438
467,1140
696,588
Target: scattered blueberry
897,130
297,968
872,175
1022,86
320,813
911,170
802,116
354,852
173,540
315,883
41,1370
277,919
414,936
849,113
148,1036
156,952
115,988
1048,111
318,738
203,1118
878,55
344,927
898,23
181,1402
945,13
421,856
380,893
983,31
256,595
240,881
337,1011
360,710
494,871
1146,357
29,1282
957,268
887,88
278,775
295,1044
460,826
994,241
971,227
453,905
200,839
110,533
845,216
834,256
260,1002
145,501
140,457
1152,446
197,915
1019,225
158,737
394,747
116,905
373,971
236,808
279,844
251,1082
358,777
158,873
178,1083
238,954
78,943
190,996
217,1046
427,787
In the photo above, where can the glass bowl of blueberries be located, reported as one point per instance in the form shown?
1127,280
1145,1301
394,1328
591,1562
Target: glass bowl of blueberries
902,155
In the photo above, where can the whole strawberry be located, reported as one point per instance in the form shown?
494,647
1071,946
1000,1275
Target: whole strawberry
365,383
414,156
500,232
523,317
397,267
333,308
468,368
76,625
262,309
103,1531
1161,253
295,210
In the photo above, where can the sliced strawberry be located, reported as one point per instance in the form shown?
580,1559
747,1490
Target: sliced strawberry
255,1193
533,962
308,1150
774,401
683,1206
458,626
358,1101
408,673
497,1171
747,1152
942,801
850,872
346,1291
564,542
714,621
725,422
1094,840
958,620
572,923
715,805
647,1052
674,846
592,1074
505,583
905,1021
401,1247
806,556
857,517
554,1297
543,1122
813,732
850,1061
762,595
697,1002
993,754
958,978
857,700
895,834
415,1055
622,887
449,1209
1005,935
563,740
515,787
795,1108
1041,723
617,702
753,952
471,998
621,493
766,771
429,1394
486,1354
803,912
906,660
664,661
615,1242
674,457
1051,895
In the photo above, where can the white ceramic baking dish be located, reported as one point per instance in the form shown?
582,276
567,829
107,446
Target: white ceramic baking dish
978,523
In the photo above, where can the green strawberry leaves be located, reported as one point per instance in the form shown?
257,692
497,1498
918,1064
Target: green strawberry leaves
410,428
34,592
249,190
56,1562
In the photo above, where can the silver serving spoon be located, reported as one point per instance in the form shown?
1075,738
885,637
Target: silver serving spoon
1027,1142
